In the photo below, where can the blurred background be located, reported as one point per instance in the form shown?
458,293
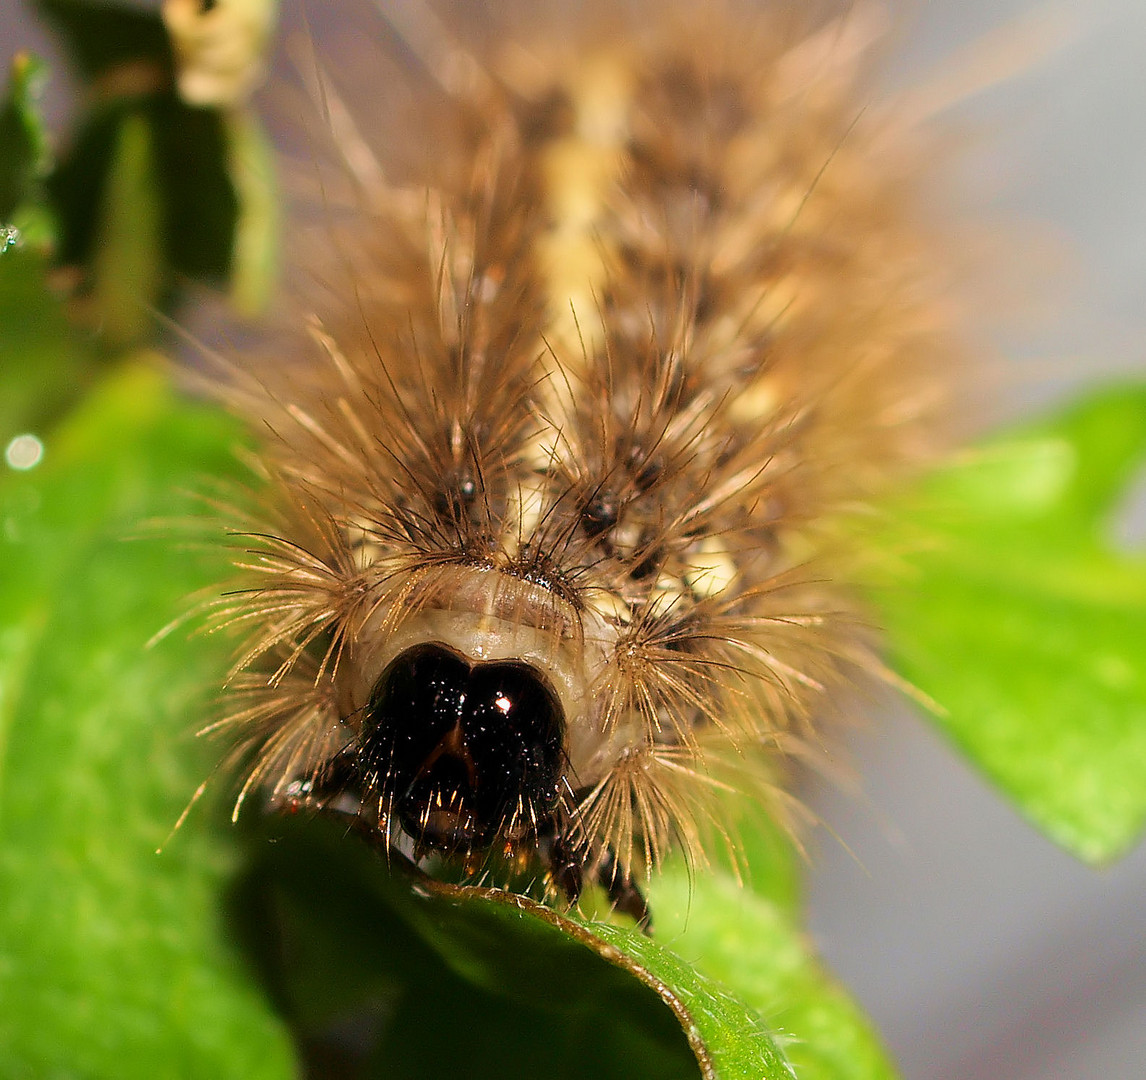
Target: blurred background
981,951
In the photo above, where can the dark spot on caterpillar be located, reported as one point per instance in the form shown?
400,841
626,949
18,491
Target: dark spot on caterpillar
549,118
646,469
600,513
704,301
454,499
647,564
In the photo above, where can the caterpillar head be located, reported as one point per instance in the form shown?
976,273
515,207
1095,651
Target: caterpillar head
463,754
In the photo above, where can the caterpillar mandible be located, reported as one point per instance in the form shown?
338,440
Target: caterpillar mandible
578,374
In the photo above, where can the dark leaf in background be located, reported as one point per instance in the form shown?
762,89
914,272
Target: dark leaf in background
125,55
190,179
101,38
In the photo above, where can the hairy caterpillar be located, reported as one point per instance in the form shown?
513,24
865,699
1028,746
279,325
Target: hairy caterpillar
587,364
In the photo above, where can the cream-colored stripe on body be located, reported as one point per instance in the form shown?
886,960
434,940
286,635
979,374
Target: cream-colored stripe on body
579,172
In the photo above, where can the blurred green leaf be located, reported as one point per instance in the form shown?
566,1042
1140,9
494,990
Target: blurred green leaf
1012,608
113,959
127,267
23,142
754,848
254,260
44,364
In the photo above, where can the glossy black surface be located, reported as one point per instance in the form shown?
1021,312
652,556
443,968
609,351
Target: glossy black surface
461,752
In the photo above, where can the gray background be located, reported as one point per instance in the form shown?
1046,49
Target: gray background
981,951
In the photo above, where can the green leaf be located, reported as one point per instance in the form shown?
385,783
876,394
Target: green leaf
763,856
346,944
1012,608
754,947
114,961
44,366
543,994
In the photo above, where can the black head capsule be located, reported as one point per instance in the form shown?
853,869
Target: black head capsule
462,753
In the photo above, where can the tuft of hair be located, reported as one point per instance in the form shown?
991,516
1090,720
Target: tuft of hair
594,345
